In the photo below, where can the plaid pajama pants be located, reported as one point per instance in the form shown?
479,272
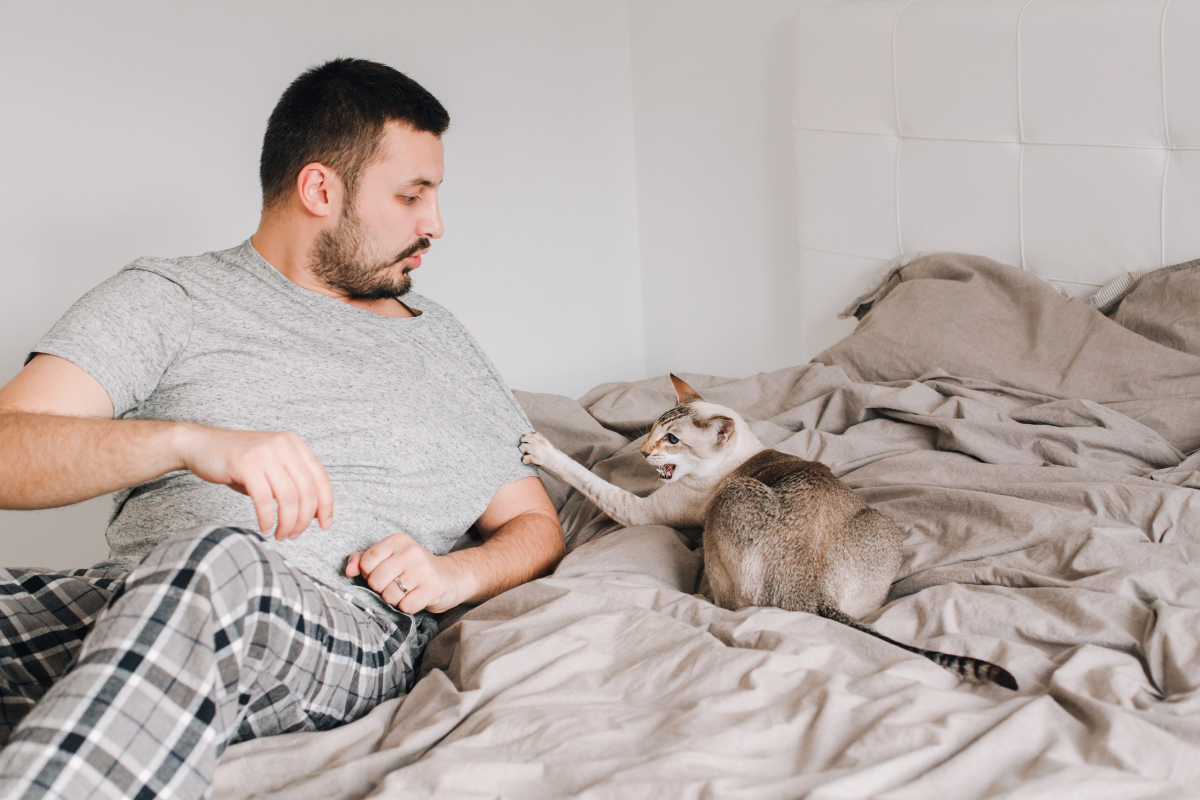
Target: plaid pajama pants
132,685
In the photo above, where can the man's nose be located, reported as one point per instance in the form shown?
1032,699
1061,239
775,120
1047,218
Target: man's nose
431,226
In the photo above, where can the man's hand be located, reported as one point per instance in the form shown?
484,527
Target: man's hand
433,582
59,444
522,540
265,467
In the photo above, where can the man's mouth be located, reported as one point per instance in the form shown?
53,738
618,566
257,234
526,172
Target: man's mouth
412,254
666,471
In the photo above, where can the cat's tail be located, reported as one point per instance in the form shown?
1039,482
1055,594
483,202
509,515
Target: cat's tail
969,669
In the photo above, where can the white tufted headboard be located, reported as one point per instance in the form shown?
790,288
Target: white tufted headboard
1060,136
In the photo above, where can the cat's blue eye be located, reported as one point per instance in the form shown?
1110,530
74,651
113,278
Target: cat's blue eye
672,438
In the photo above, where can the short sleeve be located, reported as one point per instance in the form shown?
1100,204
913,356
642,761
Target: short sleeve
494,403
508,419
125,333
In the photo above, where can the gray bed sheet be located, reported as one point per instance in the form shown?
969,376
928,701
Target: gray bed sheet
1045,530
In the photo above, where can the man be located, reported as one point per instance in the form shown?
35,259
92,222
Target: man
267,386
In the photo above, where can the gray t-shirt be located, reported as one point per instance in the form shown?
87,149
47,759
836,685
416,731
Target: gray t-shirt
414,426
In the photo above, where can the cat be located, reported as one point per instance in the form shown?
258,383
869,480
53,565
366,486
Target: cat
778,530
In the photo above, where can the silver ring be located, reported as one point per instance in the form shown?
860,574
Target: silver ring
400,584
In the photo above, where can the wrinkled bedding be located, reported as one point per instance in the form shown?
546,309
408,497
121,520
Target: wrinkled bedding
1045,530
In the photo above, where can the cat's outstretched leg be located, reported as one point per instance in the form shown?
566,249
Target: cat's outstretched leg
624,507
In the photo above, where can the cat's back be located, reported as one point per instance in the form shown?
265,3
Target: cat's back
783,531
798,485
775,495
772,467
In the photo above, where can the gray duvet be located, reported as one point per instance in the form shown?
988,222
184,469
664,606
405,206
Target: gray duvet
1032,452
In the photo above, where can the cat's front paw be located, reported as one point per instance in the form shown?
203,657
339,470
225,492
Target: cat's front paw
537,449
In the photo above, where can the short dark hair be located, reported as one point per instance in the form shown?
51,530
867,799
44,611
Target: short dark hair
334,114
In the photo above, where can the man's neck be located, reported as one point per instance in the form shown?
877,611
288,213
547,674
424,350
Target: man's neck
285,245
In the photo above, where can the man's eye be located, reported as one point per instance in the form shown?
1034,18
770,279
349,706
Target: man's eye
408,201
672,439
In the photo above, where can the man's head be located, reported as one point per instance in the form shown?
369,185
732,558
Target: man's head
359,143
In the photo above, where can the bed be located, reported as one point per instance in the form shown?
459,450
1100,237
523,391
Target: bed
1001,198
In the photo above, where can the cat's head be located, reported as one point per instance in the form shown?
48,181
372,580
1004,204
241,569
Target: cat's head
691,438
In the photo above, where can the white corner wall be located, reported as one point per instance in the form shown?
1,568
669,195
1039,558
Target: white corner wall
712,89
619,192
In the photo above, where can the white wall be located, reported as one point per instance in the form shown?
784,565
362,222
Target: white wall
619,193
716,199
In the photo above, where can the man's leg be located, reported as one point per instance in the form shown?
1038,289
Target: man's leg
43,619
212,638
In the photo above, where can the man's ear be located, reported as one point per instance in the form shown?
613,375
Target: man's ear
320,189
722,428
684,393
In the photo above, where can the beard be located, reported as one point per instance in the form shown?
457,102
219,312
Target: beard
337,261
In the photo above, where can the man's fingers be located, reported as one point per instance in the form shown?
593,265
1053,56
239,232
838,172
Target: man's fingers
286,499
268,466
376,554
324,489
399,556
259,490
385,573
306,501
417,599
391,593
417,596
324,501
368,560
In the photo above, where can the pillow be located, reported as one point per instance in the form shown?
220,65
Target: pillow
972,317
1164,306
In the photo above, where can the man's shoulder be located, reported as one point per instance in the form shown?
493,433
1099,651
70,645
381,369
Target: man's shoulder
185,270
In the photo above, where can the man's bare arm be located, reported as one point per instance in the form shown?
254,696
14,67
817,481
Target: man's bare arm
523,540
59,445
48,460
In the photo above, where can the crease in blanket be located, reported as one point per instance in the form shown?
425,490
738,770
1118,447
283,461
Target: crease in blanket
975,318
1112,293
777,530
1070,552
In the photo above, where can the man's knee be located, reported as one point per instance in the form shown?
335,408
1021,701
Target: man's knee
202,558
206,542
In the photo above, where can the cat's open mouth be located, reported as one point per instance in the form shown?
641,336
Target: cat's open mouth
666,471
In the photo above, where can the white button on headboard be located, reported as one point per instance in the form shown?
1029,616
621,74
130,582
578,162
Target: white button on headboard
1060,136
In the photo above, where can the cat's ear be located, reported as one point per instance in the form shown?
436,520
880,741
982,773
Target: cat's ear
722,428
684,393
